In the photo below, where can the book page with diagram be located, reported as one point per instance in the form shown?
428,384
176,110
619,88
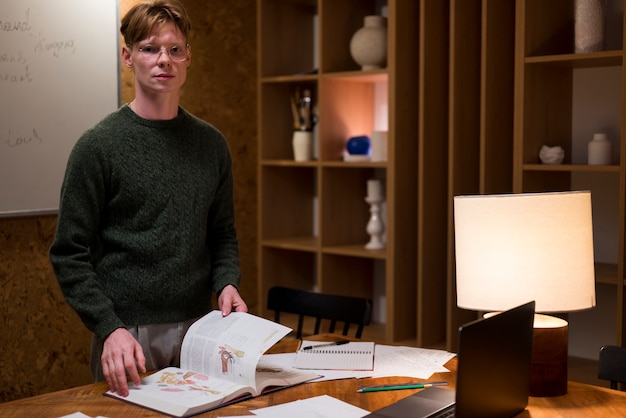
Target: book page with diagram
229,347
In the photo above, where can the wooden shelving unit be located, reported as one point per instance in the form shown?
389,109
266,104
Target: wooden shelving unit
545,65
474,89
312,215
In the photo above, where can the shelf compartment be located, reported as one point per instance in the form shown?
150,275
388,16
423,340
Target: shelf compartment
550,26
288,268
338,23
547,111
276,121
607,218
344,212
347,108
286,33
288,203
345,275
556,116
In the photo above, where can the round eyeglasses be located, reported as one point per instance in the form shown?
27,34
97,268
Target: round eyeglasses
176,53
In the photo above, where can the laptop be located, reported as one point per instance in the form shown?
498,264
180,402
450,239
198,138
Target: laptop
493,372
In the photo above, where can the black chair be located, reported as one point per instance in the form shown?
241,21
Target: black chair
612,364
321,306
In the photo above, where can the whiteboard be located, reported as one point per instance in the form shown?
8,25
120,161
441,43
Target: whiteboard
59,75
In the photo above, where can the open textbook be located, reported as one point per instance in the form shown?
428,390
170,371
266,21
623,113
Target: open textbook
220,364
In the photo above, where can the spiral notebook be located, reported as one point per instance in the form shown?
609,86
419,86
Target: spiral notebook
350,356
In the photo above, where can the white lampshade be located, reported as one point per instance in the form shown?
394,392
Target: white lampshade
514,248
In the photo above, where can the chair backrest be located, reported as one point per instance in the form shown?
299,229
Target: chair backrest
612,365
321,306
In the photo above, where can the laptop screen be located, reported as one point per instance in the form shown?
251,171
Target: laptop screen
494,355
493,372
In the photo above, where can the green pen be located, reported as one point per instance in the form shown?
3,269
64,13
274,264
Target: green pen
400,386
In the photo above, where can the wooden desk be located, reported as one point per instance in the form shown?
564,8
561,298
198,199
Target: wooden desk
581,400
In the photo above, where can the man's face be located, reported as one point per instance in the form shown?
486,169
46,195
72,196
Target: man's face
160,61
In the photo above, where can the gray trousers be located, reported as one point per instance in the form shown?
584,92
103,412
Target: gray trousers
161,345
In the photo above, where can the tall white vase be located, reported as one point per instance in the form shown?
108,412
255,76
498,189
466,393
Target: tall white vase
589,21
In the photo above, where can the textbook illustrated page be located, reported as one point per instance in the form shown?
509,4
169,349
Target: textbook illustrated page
219,364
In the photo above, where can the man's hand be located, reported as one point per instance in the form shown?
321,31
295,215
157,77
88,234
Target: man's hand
122,355
230,299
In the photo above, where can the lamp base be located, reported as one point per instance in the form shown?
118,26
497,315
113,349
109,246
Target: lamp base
548,371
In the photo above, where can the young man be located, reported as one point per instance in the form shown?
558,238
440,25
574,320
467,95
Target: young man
146,221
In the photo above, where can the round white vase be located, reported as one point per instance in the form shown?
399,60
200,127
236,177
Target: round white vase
368,45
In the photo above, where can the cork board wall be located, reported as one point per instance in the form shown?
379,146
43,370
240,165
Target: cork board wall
45,347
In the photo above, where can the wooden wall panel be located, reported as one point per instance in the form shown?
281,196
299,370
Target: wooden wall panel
44,344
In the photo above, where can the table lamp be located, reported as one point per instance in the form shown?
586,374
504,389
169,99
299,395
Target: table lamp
514,248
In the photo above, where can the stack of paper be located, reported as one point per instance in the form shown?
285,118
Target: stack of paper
419,363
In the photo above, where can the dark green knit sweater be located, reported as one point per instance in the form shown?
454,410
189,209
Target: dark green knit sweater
146,221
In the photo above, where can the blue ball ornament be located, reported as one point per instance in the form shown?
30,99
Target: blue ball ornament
358,145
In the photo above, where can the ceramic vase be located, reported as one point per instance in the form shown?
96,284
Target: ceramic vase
368,45
599,150
589,21
302,142
379,146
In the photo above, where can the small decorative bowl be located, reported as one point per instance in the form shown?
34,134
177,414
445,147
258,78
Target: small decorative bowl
551,155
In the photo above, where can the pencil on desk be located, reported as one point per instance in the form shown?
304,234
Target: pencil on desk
400,386
340,342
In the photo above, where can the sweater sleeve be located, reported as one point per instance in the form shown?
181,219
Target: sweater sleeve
82,196
221,234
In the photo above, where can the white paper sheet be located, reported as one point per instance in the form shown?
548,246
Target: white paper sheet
414,362
419,363
323,406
